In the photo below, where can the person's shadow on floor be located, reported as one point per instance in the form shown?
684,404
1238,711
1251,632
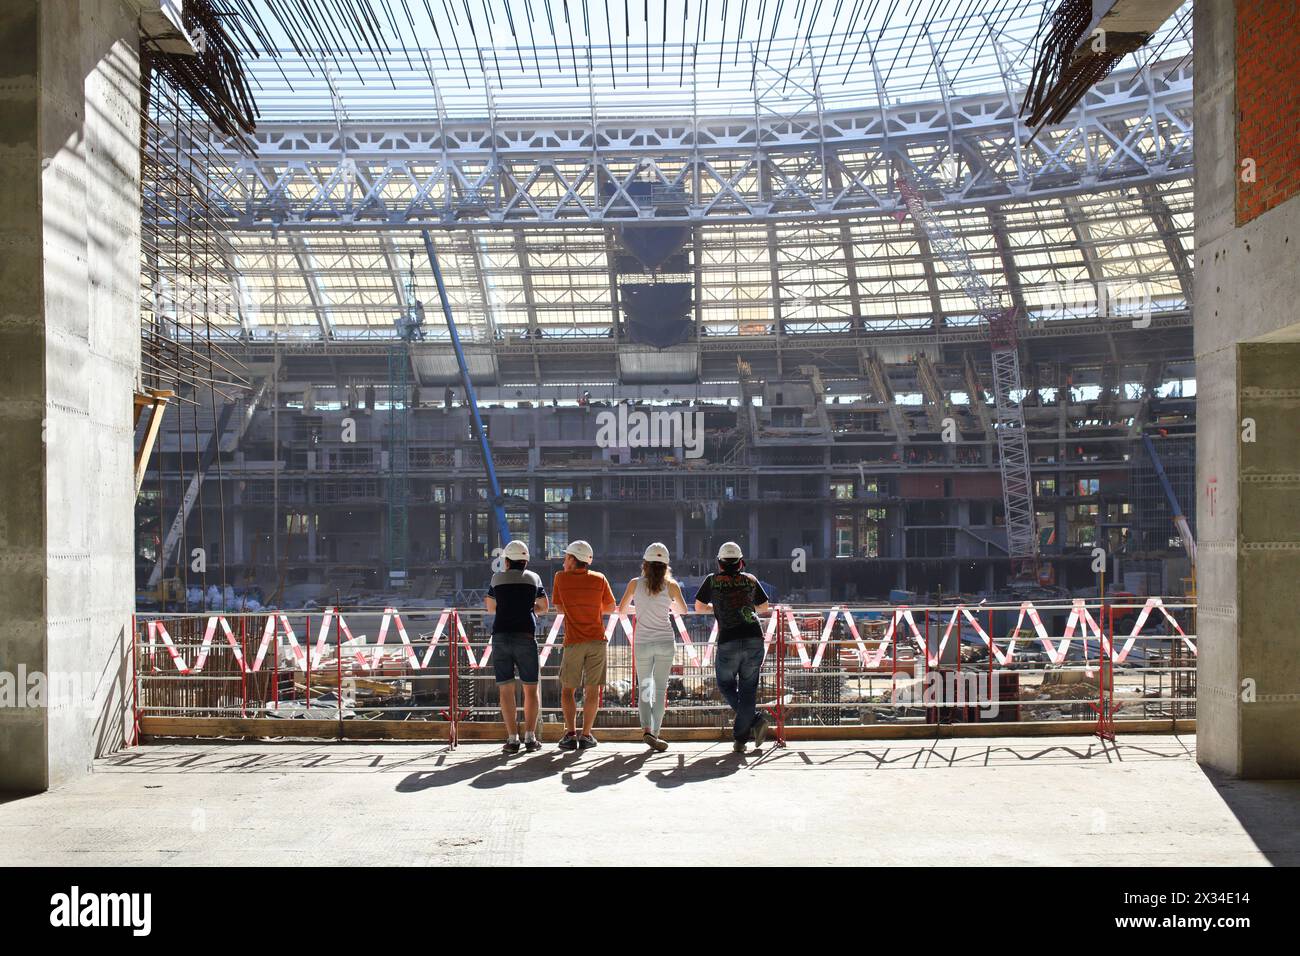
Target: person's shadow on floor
699,770
544,764
612,770
449,774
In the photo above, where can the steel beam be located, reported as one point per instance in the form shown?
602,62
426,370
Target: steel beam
530,174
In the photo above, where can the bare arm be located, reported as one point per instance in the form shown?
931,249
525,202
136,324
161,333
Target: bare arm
679,602
626,603
491,604
702,606
763,608
541,605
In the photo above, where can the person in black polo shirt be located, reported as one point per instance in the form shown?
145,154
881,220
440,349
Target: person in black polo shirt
516,596
736,599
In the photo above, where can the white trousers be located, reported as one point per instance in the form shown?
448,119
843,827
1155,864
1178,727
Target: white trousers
654,661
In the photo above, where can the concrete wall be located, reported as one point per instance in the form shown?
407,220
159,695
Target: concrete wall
1247,297
69,336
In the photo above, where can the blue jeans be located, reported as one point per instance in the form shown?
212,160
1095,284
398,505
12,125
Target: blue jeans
737,668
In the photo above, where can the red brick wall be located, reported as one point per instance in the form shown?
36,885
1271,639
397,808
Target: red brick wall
977,486
920,486
1268,103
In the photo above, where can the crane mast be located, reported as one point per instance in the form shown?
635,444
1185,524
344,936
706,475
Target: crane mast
1009,416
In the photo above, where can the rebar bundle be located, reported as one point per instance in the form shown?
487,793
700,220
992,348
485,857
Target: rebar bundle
1068,66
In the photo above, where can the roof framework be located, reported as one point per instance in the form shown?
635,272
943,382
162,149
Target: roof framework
867,272
782,167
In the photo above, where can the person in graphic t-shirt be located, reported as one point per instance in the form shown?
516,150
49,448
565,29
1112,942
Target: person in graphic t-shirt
737,599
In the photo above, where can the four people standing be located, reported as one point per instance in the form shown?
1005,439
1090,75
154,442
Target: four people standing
583,596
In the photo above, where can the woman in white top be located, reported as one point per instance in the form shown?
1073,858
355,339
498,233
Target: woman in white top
653,595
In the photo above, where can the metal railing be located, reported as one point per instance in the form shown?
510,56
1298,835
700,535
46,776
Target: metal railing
825,666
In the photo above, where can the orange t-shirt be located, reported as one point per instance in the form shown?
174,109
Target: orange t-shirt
582,596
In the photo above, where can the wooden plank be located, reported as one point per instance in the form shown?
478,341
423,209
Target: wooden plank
437,730
157,400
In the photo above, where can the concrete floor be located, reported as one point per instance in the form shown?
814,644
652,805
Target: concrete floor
1055,801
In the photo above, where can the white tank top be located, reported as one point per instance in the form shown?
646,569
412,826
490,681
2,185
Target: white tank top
652,623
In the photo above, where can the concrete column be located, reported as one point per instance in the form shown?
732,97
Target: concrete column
1247,339
679,533
753,532
69,331
900,545
537,530
458,527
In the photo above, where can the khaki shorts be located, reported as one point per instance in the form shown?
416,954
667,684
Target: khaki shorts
583,665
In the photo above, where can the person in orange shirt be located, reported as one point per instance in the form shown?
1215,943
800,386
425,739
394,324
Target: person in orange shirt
583,596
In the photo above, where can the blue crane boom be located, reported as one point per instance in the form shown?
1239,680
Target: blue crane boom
498,504
1180,519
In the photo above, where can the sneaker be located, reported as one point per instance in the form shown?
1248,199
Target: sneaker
569,741
738,747
653,742
759,730
532,745
586,742
511,747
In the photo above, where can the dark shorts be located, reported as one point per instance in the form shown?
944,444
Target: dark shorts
514,652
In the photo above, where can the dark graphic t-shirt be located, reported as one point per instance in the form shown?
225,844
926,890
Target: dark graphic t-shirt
734,597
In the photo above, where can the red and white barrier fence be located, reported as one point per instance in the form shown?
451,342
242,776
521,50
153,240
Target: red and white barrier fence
796,641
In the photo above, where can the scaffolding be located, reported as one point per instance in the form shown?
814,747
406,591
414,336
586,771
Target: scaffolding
1154,532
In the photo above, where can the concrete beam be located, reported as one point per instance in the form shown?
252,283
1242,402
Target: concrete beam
1158,209
530,298
319,301
998,223
846,245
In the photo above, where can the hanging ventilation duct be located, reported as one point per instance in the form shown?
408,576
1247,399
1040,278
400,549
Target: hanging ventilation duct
657,314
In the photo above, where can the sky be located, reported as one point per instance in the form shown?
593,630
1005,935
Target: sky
525,23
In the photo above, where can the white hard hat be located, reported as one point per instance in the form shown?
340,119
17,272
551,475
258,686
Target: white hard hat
730,551
515,551
656,552
580,550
